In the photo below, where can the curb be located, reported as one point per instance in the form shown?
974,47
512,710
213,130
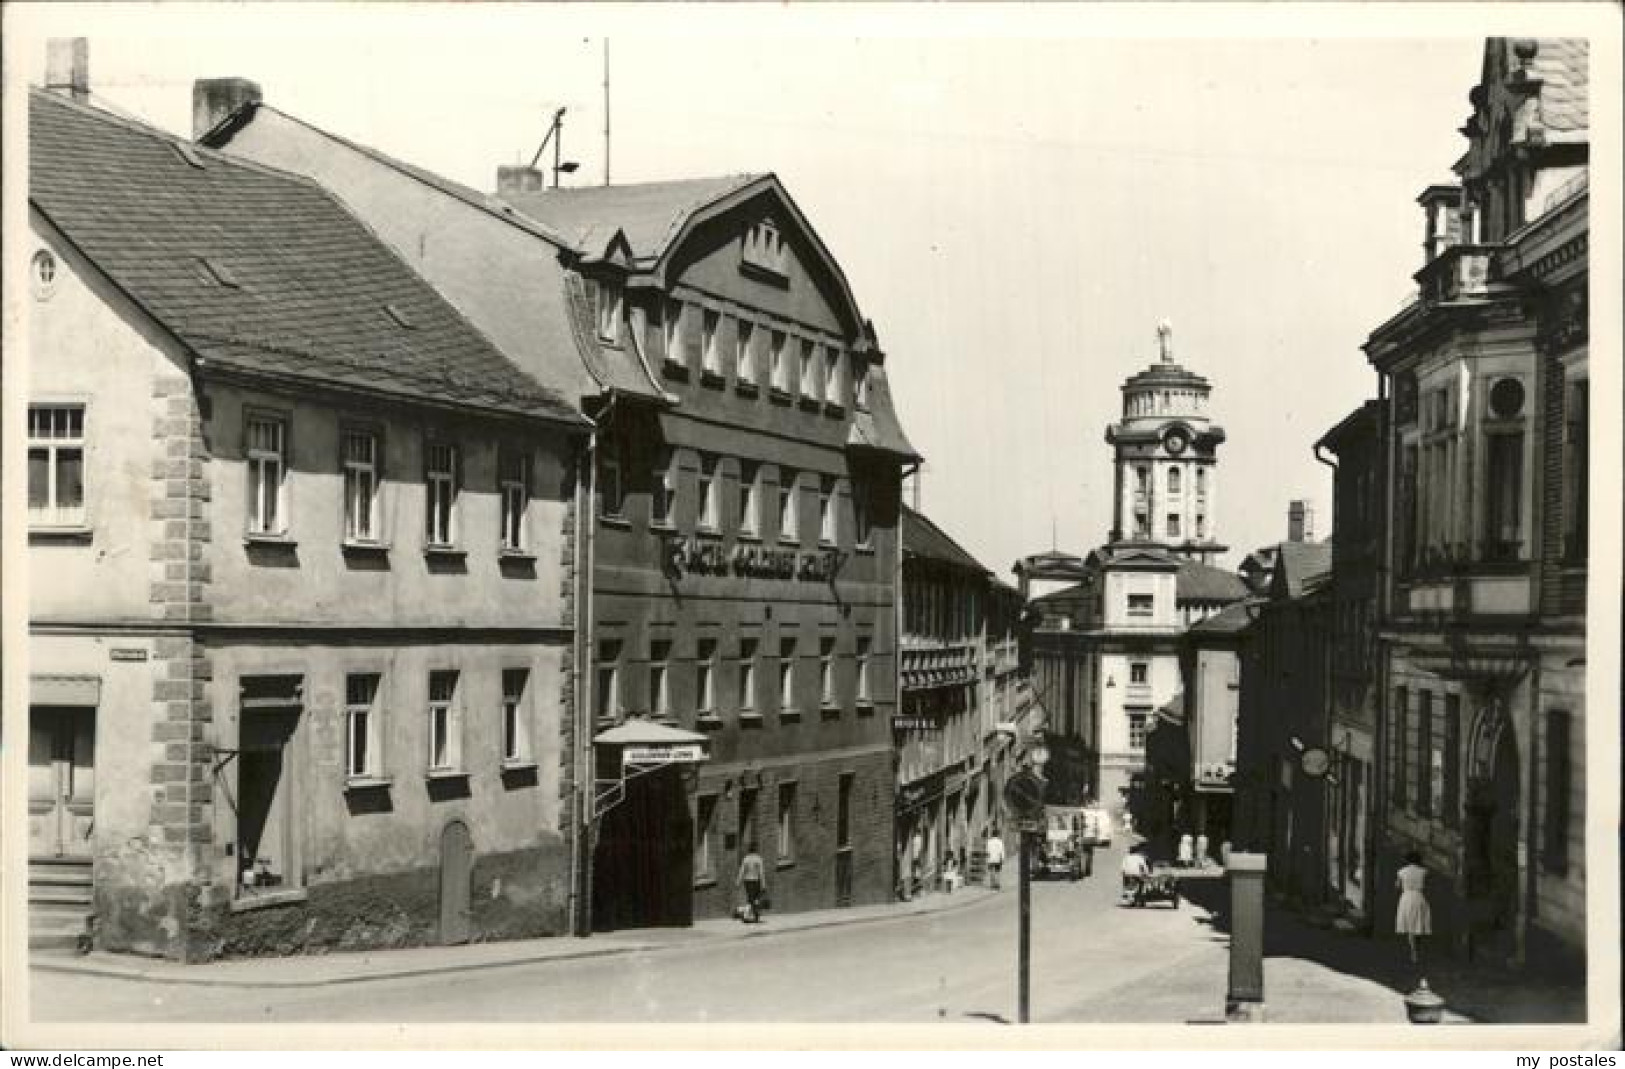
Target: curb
137,973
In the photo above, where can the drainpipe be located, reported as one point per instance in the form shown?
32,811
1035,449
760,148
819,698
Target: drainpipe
585,679
897,650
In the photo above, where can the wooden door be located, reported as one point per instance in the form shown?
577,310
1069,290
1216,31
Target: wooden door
456,882
61,781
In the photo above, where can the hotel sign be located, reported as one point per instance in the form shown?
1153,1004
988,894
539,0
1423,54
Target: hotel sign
667,754
684,556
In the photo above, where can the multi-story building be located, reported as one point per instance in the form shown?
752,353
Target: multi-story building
1354,690
943,717
300,588
1485,384
744,550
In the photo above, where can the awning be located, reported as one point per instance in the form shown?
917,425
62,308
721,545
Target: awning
646,733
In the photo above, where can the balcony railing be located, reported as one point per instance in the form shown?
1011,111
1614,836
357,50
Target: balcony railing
1458,272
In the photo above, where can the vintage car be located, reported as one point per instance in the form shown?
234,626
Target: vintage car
1059,854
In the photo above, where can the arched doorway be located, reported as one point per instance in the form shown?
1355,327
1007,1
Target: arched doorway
1490,846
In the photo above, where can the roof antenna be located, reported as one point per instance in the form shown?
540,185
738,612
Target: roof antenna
606,111
555,134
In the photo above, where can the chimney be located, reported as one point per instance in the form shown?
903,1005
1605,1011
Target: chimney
214,99
67,67
517,178
1300,522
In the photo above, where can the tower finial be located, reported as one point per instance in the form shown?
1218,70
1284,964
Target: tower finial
1165,341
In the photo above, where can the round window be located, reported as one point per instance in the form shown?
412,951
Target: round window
44,273
1506,399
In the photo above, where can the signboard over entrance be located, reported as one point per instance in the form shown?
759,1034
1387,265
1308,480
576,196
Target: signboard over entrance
674,753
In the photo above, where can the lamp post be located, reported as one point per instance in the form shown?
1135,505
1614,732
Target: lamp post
1028,812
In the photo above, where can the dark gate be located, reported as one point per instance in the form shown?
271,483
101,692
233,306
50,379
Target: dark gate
643,861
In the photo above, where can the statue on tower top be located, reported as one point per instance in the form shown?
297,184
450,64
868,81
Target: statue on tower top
1165,341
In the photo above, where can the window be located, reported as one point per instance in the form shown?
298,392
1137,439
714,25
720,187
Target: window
45,274
705,671
833,393
1173,480
513,477
1139,604
809,370
264,451
781,363
705,825
843,812
1399,742
360,727
787,676
747,674
607,697
1173,525
789,529
826,672
1142,477
711,351
674,332
1139,672
861,524
611,487
1503,511
56,465
1136,728
826,512
1559,770
659,686
747,819
663,489
654,330
444,744
861,373
762,247
787,816
1431,773
744,353
515,724
864,696
748,474
706,517
1201,484
609,311
1578,472
440,493
1452,760
1201,526
360,486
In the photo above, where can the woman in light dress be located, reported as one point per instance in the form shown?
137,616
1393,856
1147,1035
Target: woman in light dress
1413,918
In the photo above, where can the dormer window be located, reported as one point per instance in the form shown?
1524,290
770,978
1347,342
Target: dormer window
609,311
763,249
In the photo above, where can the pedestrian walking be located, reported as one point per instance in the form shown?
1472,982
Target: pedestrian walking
1187,851
1414,919
753,881
995,858
1201,851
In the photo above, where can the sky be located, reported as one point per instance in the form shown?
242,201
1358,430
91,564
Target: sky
1017,196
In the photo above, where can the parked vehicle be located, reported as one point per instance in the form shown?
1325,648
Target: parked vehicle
1161,885
1097,826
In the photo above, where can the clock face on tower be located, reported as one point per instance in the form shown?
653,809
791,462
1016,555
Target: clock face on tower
1175,442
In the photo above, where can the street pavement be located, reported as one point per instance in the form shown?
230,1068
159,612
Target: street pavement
949,959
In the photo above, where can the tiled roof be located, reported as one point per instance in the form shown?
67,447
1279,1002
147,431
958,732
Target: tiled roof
925,540
257,270
1203,582
876,426
1301,562
1561,64
649,213
1228,620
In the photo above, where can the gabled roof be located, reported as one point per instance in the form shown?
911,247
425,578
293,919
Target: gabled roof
924,540
530,302
1298,564
259,271
1203,582
649,214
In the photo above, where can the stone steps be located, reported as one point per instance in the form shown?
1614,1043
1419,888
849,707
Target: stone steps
61,898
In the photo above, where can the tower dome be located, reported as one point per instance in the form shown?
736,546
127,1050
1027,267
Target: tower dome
1166,458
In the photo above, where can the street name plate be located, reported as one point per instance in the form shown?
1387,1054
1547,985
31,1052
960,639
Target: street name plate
676,753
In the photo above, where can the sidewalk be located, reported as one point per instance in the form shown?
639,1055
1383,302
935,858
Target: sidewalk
317,970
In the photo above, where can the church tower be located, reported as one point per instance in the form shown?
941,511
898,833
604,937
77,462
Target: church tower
1165,456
